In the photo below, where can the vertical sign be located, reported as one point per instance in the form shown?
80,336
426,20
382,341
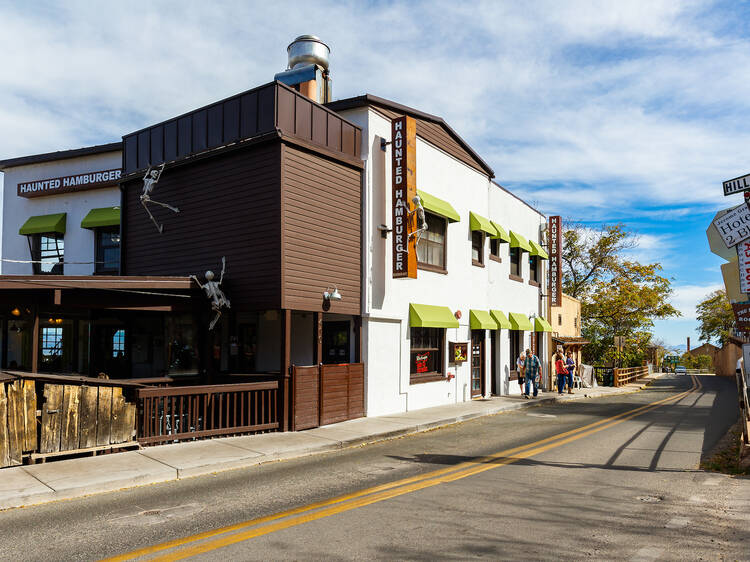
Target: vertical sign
743,260
404,169
554,287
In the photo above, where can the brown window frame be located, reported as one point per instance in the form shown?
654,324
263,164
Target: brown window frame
515,262
429,376
426,266
99,266
35,249
478,262
514,353
534,268
495,249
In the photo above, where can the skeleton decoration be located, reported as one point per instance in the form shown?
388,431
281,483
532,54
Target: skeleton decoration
149,181
421,219
213,291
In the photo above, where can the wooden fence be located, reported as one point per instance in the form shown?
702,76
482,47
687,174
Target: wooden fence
167,415
40,420
623,376
323,394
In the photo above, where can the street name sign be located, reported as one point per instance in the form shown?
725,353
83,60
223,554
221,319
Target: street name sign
716,243
734,226
736,185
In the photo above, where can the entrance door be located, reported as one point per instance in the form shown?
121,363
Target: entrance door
477,363
335,342
494,346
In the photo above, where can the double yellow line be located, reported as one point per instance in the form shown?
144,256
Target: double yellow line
232,534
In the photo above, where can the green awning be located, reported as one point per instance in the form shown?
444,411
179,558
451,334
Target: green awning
98,218
501,233
518,241
430,316
481,320
502,321
43,224
437,206
478,222
541,325
520,321
537,250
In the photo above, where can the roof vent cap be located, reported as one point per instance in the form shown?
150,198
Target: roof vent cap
308,49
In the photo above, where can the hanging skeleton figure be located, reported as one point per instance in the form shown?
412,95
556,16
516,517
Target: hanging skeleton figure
421,219
213,291
153,175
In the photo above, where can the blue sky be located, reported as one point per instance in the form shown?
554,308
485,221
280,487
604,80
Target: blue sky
598,111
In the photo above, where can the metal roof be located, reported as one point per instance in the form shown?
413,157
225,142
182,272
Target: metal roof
60,155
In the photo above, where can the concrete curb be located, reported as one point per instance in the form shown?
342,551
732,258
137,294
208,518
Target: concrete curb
79,477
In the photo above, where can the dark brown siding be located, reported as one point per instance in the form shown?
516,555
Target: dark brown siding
436,135
321,217
244,116
229,205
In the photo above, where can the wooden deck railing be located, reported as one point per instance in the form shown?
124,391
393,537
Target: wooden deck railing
185,413
626,375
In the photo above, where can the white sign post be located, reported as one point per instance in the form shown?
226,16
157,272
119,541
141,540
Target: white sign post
734,227
746,355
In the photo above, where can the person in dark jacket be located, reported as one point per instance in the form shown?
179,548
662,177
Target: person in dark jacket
570,364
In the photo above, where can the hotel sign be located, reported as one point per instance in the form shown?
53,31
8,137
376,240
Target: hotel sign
554,287
404,183
736,185
67,184
734,226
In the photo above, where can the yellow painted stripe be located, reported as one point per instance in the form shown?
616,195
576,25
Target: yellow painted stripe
415,486
391,485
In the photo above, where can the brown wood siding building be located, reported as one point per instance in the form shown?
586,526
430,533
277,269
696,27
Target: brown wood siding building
322,233
283,205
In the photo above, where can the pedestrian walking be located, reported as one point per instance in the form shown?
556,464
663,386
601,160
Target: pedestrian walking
570,363
521,365
562,372
531,372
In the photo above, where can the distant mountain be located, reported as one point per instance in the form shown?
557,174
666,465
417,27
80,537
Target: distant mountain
682,348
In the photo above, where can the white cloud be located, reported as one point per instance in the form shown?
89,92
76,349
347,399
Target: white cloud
686,297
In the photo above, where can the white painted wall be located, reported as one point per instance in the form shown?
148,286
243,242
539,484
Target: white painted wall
79,242
386,300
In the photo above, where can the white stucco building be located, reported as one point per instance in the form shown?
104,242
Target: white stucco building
481,275
62,207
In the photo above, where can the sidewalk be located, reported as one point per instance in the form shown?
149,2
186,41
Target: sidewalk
33,484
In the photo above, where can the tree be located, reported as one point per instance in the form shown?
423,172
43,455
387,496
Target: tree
619,296
716,317
589,256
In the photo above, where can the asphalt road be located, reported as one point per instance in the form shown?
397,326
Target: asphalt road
601,479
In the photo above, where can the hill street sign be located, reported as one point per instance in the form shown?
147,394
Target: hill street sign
734,226
736,185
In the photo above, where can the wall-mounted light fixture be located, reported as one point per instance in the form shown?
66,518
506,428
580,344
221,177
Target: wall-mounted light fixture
384,230
16,312
332,295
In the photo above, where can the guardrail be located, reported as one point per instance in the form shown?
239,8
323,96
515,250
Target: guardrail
623,376
166,415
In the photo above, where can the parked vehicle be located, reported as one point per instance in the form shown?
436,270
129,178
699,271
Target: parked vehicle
680,370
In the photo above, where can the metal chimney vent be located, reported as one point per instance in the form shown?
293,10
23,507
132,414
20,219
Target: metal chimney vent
308,49
307,69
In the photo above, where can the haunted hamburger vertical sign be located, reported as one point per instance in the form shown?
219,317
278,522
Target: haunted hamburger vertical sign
404,181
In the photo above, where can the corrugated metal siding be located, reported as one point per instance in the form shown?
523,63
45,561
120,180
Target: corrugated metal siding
321,221
436,135
229,205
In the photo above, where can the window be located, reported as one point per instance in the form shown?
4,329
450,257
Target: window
107,254
426,360
51,343
516,343
431,246
495,249
477,247
47,252
118,344
515,262
533,268
559,319
575,322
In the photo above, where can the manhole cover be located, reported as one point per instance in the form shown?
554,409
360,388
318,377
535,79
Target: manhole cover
651,499
150,512
158,516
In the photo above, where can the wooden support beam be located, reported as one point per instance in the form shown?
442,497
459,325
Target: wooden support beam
317,338
285,361
58,297
35,342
